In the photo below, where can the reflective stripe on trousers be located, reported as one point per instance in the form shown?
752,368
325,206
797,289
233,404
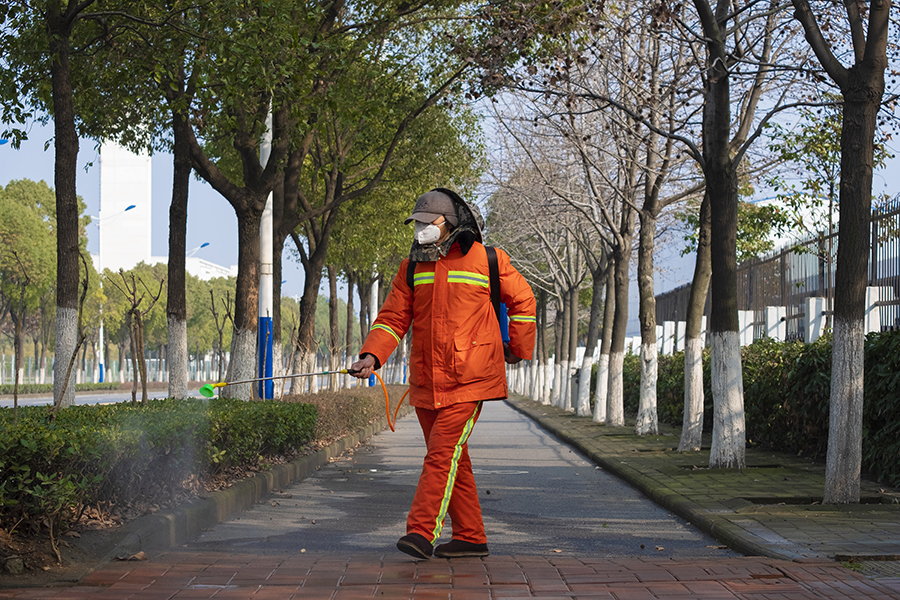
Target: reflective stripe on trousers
447,485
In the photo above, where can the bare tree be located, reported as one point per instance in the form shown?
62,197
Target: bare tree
135,314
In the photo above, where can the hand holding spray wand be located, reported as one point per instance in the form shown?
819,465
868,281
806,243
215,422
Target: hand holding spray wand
209,390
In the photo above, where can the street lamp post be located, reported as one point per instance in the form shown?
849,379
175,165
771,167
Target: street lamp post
193,251
266,294
101,360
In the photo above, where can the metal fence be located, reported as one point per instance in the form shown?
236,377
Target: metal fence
788,277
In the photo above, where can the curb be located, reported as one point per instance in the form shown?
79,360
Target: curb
719,528
165,529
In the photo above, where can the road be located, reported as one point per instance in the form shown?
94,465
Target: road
88,398
538,496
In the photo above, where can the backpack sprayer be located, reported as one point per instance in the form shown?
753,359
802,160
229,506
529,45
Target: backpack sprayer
209,390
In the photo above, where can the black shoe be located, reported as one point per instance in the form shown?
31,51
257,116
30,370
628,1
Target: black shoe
415,545
461,549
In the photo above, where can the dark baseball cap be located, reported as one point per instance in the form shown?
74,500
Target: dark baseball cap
432,205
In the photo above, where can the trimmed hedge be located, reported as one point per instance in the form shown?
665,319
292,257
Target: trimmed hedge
7,389
121,453
786,397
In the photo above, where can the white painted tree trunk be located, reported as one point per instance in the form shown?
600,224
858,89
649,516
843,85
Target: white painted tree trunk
547,381
601,395
314,384
844,458
277,370
528,384
728,446
647,418
583,406
66,338
515,384
177,358
303,363
692,425
556,391
243,364
615,411
565,381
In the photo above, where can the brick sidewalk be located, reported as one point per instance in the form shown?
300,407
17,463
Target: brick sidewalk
175,575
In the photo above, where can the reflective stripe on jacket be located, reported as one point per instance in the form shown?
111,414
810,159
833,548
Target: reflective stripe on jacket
457,352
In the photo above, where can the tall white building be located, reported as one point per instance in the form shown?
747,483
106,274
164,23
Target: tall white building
125,180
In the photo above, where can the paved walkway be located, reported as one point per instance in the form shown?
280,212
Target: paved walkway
771,508
767,510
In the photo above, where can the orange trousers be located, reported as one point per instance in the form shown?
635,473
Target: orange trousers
447,484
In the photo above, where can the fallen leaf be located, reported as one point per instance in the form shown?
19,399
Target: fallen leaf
139,556
73,534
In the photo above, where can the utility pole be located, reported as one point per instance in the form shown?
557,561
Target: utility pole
264,331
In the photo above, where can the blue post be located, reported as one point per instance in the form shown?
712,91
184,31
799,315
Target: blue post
266,387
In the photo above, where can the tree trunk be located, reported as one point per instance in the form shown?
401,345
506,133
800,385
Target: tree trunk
135,373
142,360
692,427
615,416
728,443
65,167
560,346
583,408
862,99
546,373
278,367
365,292
571,393
601,394
43,364
305,353
246,306
176,303
646,421
349,349
334,334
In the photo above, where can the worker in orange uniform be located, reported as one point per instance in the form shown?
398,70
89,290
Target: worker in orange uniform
456,362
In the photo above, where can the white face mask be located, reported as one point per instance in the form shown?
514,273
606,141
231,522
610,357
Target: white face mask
426,233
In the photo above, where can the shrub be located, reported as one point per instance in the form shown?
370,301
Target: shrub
787,388
881,413
123,453
350,410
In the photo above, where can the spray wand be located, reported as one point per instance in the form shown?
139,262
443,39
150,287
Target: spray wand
209,390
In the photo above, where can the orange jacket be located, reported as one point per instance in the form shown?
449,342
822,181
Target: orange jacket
457,351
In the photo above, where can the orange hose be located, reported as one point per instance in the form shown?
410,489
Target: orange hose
387,402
